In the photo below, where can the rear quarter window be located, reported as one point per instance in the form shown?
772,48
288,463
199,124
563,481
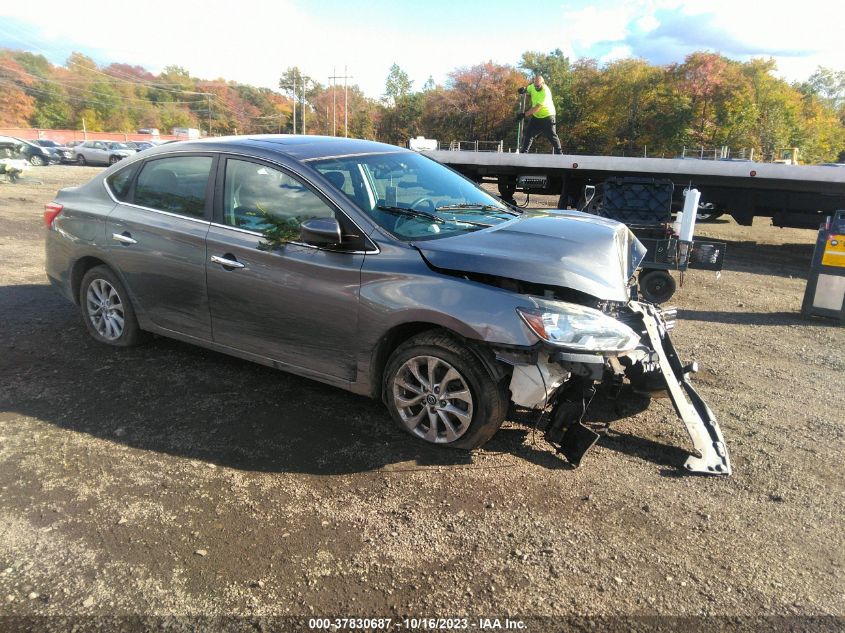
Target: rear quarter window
120,182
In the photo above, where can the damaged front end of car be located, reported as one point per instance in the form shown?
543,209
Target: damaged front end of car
627,345
576,274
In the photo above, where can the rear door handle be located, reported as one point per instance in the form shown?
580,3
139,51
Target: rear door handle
123,238
226,262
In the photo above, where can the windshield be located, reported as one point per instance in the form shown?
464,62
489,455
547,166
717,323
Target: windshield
118,146
47,144
413,197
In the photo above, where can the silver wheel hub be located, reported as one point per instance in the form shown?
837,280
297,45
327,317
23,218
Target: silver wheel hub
105,309
433,399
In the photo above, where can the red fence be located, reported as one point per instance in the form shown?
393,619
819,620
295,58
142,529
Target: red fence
65,136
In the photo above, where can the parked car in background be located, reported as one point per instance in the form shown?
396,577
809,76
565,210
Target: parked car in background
12,160
63,153
139,146
35,154
101,152
378,270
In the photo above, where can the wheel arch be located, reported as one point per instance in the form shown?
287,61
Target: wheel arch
403,332
80,267
86,263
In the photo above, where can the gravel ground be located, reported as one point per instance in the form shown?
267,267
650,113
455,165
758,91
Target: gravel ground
167,480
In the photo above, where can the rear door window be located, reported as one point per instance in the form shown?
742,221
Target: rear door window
176,185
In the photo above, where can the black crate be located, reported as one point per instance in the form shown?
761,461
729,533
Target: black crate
637,201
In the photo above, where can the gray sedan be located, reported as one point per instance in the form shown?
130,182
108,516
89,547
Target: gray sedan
101,152
377,270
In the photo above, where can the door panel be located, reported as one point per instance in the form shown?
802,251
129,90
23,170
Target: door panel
290,302
164,268
295,304
160,247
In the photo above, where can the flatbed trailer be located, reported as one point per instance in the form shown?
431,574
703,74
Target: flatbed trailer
792,195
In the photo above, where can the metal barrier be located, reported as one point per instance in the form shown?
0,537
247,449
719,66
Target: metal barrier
717,153
476,146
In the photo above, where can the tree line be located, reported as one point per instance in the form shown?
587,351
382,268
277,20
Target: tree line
625,107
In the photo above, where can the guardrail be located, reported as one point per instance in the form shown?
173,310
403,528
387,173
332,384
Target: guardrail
474,146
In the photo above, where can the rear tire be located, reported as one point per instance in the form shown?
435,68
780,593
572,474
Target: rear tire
439,391
37,160
657,286
106,309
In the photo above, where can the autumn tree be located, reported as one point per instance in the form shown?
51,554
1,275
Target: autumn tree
16,106
477,104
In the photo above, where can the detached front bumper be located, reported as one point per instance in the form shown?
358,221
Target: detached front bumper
701,424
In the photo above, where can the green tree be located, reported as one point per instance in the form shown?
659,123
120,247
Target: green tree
397,85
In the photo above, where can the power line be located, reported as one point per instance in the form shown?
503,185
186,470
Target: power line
135,81
100,94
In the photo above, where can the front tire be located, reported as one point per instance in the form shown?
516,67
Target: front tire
113,159
439,391
106,309
80,160
37,160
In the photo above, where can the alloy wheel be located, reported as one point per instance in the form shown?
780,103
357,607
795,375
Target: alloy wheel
433,399
105,309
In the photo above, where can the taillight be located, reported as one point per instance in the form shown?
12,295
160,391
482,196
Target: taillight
51,210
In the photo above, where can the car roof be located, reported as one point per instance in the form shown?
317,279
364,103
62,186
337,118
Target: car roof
298,147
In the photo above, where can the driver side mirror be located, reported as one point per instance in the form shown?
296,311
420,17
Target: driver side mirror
320,232
589,194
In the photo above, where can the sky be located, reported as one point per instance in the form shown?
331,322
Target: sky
254,41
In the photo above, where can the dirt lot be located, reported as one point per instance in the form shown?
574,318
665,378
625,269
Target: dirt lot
169,480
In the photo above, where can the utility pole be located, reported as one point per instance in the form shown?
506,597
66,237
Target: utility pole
334,79
208,114
345,103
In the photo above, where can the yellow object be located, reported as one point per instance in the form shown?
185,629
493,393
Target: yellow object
834,251
542,98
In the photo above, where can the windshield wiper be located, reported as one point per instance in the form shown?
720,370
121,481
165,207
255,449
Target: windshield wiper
476,207
412,212
428,216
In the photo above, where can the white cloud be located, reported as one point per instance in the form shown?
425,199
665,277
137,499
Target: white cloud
253,44
253,41
617,52
647,23
584,28
799,36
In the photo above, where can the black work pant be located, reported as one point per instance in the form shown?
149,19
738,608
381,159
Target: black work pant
544,127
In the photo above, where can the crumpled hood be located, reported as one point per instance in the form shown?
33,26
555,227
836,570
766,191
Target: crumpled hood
559,248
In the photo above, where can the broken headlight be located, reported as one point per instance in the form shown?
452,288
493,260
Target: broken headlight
578,328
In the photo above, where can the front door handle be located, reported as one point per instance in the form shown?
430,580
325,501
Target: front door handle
226,262
123,238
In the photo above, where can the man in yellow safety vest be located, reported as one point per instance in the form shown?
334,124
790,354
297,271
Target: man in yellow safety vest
541,115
